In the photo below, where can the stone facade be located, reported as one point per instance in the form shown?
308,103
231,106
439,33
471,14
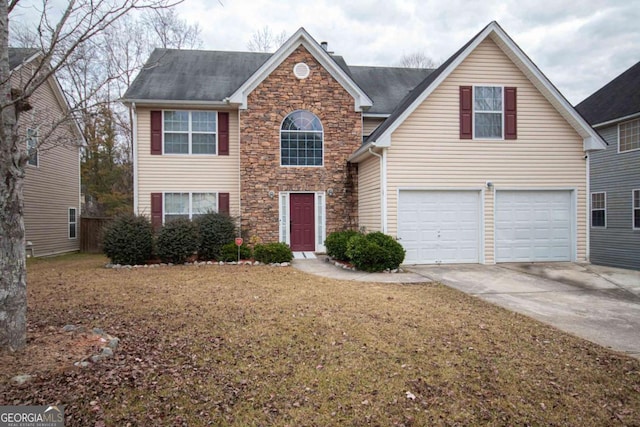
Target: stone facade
260,172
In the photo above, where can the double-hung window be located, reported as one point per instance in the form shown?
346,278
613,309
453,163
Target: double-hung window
629,136
488,112
188,205
32,147
190,132
636,209
598,209
73,223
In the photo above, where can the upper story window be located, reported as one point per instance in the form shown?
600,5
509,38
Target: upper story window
32,147
190,132
301,140
487,112
598,209
629,136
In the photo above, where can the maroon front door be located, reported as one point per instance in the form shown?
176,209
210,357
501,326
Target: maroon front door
302,226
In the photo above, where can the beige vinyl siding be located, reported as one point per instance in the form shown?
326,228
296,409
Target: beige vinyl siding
427,152
369,194
369,124
52,187
185,173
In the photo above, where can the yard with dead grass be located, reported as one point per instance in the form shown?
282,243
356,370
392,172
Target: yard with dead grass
246,345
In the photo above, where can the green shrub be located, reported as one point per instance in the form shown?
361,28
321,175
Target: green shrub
336,244
177,241
375,252
270,253
214,231
229,252
128,240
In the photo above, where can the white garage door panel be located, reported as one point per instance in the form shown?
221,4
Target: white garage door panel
533,226
439,226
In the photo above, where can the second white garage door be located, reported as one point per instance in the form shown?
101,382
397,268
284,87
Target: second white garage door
439,226
534,226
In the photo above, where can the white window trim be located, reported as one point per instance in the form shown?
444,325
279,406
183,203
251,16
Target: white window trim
320,217
280,145
473,113
599,209
623,123
37,165
190,132
633,208
190,193
74,223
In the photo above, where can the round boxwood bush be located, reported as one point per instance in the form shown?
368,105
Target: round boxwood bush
177,241
229,252
128,240
375,252
336,244
214,231
270,253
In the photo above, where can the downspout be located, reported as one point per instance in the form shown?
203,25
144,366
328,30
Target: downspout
239,180
134,141
383,186
588,206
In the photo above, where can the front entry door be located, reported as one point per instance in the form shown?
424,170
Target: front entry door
302,224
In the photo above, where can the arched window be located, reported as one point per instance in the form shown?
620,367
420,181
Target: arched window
301,140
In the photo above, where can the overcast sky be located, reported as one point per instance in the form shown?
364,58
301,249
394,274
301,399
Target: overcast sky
580,45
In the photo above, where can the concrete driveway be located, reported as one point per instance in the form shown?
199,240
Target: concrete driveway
600,304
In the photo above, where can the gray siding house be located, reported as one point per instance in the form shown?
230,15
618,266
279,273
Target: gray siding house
614,111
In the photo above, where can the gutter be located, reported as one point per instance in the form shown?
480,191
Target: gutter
617,120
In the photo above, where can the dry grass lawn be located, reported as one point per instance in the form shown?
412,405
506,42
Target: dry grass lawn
230,345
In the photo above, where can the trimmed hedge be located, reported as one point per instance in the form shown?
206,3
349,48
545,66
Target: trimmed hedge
128,240
214,231
336,244
177,241
375,252
229,252
270,253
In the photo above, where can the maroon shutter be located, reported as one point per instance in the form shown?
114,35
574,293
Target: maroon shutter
156,132
156,210
223,203
223,134
466,112
510,119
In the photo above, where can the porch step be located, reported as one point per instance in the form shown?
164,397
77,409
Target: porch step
304,255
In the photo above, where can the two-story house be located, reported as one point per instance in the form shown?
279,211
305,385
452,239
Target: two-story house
52,173
481,160
614,111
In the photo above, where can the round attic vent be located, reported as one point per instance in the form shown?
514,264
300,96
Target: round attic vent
301,70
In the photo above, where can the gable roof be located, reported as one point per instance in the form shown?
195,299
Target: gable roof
381,137
616,101
20,55
301,37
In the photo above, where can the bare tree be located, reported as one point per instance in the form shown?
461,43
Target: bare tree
170,31
264,40
417,60
62,34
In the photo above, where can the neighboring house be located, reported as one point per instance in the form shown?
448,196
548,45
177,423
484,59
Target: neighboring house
614,111
52,173
481,160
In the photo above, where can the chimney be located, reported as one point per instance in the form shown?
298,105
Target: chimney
325,46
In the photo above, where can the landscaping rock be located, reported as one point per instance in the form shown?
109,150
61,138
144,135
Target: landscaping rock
113,343
82,364
106,352
98,331
69,328
21,379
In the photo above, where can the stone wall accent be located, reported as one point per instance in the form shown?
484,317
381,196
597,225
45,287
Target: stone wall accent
277,96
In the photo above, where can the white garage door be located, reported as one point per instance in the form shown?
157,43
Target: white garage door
439,226
534,226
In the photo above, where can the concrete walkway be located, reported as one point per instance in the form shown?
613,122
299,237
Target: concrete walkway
321,266
600,304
